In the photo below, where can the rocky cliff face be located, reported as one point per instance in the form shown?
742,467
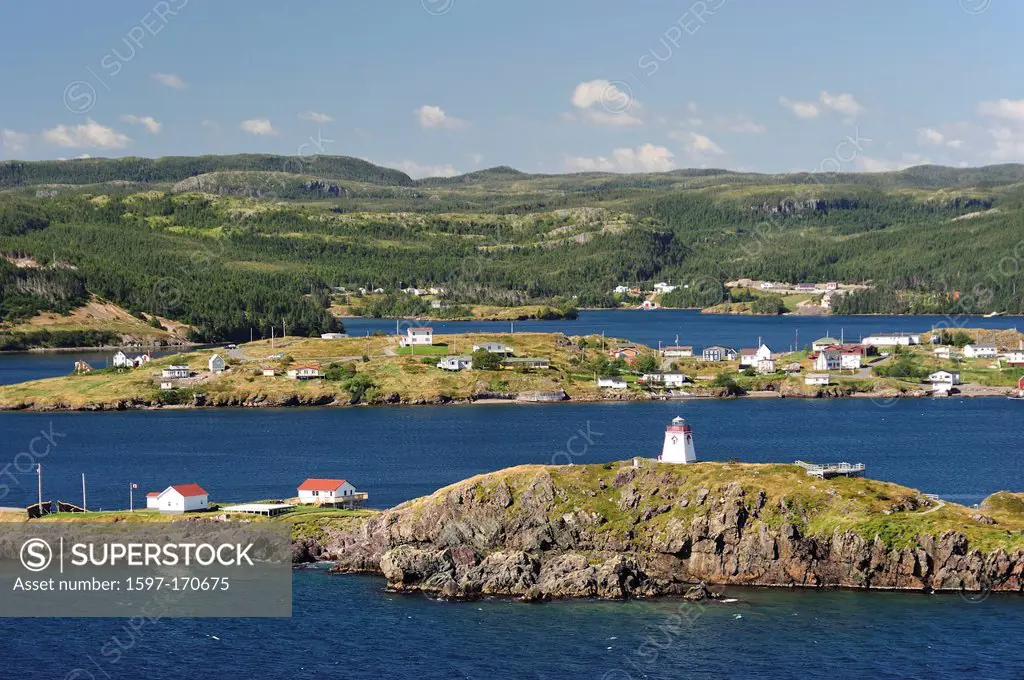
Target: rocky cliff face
617,531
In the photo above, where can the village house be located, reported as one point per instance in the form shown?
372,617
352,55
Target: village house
662,287
494,348
141,360
805,287
943,381
627,354
663,379
525,362
751,357
621,290
824,343
175,371
418,335
181,498
305,372
648,304
684,351
851,356
216,364
980,351
166,385
718,353
831,285
82,367
325,491
943,352
891,340
333,336
816,379
612,383
121,360
269,371
1015,357
828,360
765,366
454,363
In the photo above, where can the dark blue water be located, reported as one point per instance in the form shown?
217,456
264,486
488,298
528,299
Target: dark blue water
345,626
649,328
962,449
18,367
700,330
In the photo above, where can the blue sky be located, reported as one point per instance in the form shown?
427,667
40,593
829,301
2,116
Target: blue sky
446,86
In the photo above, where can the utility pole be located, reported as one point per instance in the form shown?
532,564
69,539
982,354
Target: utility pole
39,480
84,507
131,496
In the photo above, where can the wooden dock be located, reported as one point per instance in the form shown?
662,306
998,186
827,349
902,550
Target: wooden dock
834,470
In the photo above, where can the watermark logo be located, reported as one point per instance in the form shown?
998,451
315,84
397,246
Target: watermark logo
79,97
36,554
437,7
975,6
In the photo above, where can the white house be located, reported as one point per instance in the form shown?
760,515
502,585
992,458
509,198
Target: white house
980,351
182,498
677,351
313,491
153,500
121,360
765,366
850,357
612,383
748,356
494,348
621,290
828,360
141,360
662,287
1015,357
816,379
891,340
269,372
943,381
823,343
175,371
943,352
455,363
423,335
665,379
305,372
333,336
216,364
166,385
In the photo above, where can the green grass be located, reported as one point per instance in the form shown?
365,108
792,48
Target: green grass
426,350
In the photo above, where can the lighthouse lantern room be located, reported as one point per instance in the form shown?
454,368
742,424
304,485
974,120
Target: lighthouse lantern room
678,447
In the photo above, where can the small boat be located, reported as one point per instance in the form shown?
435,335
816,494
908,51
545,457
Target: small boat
993,314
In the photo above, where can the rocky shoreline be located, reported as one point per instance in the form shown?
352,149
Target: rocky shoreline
540,532
201,401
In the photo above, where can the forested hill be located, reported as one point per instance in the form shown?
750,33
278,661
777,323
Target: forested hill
198,240
177,168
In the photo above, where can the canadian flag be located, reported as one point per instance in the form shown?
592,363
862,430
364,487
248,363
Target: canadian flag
134,485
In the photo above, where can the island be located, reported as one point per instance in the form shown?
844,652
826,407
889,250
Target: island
642,528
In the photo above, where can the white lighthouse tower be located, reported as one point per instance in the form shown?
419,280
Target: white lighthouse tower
678,447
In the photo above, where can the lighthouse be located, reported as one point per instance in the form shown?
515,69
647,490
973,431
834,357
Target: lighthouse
678,447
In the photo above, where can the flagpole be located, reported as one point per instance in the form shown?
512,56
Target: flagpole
83,491
131,496
39,479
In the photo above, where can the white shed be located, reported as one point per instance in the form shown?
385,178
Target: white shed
175,371
612,383
182,498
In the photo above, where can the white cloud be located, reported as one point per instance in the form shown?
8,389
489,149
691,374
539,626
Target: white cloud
258,126
741,125
931,137
208,123
841,103
1006,109
603,102
316,117
87,135
416,171
697,144
434,117
12,141
646,158
83,156
148,121
170,80
801,109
